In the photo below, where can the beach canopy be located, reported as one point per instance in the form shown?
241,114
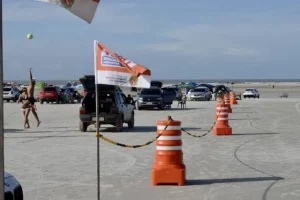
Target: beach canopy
210,86
188,85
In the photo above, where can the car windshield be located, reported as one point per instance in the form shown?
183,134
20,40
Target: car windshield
199,90
49,89
249,90
150,92
6,89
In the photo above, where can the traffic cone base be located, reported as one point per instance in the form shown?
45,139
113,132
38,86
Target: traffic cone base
168,167
222,131
169,175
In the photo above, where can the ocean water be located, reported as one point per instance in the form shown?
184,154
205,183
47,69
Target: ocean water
175,81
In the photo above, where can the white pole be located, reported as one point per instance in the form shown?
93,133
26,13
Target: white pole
1,111
97,119
98,149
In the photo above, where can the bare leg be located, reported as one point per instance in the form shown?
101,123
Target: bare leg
24,112
36,117
26,121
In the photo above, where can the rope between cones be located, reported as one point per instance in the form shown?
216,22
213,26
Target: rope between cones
199,136
133,146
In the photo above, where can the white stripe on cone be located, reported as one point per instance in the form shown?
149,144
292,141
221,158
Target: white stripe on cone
168,148
222,108
169,138
169,128
222,113
222,119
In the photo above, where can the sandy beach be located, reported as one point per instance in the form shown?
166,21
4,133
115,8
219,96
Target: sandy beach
259,161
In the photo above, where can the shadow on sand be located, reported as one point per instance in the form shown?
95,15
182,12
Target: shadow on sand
231,180
13,130
246,119
173,109
142,129
48,136
241,134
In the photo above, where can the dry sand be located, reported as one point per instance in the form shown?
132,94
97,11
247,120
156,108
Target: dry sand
259,161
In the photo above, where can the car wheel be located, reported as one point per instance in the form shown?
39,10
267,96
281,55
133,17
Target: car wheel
83,126
41,102
119,124
8,100
47,102
162,107
258,96
131,122
16,98
57,101
139,108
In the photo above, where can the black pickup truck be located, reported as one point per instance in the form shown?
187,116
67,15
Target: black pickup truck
114,107
155,97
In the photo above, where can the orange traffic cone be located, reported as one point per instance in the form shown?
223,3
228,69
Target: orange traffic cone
227,102
233,100
169,167
220,100
222,126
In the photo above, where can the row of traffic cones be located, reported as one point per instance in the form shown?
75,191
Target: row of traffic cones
222,111
169,167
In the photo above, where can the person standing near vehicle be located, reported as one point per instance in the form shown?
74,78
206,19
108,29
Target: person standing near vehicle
29,103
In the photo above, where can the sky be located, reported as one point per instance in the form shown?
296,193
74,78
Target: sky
193,39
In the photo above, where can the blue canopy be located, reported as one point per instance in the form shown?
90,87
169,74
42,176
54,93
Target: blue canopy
206,85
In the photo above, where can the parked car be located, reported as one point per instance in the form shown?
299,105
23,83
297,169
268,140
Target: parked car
50,94
11,93
74,95
114,108
251,92
200,93
12,188
168,96
150,98
155,97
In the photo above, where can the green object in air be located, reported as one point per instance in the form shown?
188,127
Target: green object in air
29,36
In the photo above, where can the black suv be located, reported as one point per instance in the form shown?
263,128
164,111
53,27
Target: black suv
114,108
156,97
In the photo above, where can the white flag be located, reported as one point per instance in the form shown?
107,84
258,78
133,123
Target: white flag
85,9
113,69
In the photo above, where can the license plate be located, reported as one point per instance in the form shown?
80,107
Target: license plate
149,103
47,93
100,119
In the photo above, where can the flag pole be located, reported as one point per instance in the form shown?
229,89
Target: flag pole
1,109
97,120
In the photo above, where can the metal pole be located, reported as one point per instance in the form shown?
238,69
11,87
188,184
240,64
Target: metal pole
98,146
1,110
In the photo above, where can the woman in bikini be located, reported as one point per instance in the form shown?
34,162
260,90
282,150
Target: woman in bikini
29,104
23,97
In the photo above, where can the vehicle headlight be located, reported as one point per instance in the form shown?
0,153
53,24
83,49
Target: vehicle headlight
140,99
